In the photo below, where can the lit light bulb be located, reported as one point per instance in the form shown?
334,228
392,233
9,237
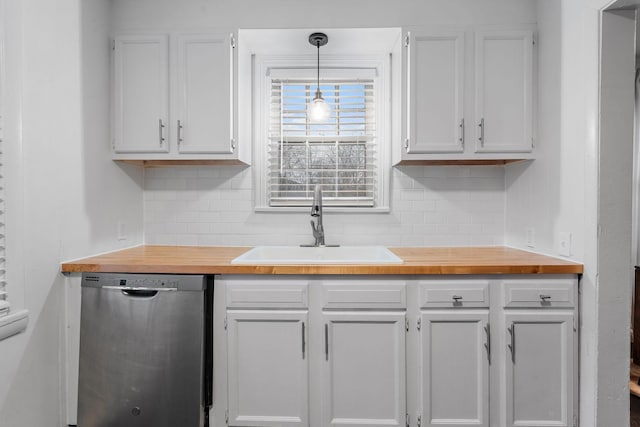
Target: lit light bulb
318,111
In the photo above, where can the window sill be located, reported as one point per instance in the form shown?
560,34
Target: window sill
13,323
330,209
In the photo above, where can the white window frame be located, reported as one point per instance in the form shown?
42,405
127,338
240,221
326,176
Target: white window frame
263,67
4,294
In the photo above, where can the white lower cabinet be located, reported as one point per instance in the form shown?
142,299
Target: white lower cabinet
268,368
454,367
363,375
487,351
539,368
538,337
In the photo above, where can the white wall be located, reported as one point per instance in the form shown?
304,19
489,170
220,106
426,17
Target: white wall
154,14
545,194
64,167
437,206
561,191
64,194
434,206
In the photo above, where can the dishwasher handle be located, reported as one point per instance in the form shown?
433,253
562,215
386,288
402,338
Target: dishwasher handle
140,293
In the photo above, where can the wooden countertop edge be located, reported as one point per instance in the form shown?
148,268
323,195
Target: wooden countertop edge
418,261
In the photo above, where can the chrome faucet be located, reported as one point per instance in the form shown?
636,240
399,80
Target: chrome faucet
316,214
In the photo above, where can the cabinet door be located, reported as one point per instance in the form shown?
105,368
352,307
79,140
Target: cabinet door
454,360
504,91
436,92
141,94
267,368
539,368
204,118
363,381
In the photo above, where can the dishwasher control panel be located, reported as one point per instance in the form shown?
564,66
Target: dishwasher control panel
144,281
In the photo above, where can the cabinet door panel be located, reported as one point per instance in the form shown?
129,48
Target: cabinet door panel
455,368
268,368
539,368
436,92
504,91
364,369
141,94
204,93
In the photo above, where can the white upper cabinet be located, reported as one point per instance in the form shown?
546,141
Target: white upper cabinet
468,97
175,99
204,98
436,92
504,91
141,94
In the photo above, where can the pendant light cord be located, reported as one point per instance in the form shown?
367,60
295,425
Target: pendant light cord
318,67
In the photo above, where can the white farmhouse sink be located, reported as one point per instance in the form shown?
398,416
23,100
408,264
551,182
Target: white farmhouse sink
318,255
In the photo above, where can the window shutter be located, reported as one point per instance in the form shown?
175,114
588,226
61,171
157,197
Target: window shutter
4,303
339,154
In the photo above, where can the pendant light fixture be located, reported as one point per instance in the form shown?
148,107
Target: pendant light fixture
318,110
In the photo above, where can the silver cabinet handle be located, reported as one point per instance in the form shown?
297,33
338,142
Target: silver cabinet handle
461,125
545,298
160,132
456,298
326,341
512,346
179,137
481,125
487,345
304,344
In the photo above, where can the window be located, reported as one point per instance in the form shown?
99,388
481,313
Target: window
348,155
339,154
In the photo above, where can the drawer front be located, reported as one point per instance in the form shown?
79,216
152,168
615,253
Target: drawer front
364,295
454,293
560,293
266,294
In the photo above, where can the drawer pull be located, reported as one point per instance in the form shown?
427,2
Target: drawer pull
456,298
545,298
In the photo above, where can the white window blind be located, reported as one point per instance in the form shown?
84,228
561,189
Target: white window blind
339,154
4,303
4,298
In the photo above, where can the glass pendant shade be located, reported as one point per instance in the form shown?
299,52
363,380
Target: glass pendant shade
318,111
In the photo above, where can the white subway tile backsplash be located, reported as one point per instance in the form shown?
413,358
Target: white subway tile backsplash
430,206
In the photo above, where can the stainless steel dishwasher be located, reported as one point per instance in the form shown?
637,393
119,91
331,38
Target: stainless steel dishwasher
145,350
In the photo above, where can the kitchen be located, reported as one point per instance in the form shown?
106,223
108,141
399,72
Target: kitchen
72,194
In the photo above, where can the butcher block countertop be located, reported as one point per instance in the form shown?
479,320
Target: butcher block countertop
217,260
